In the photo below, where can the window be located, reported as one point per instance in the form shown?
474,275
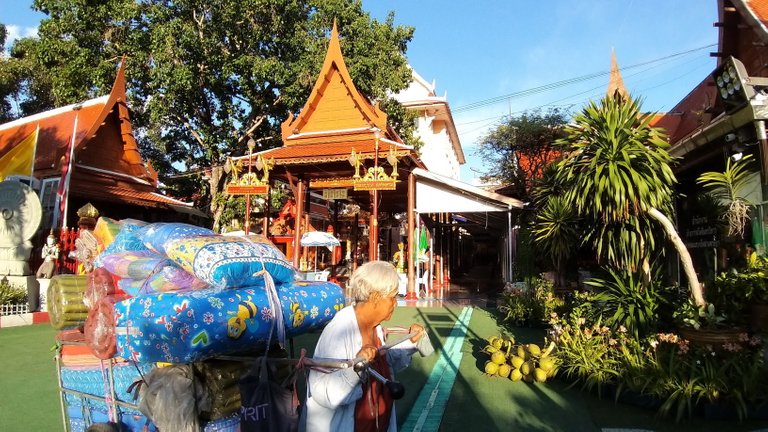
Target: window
48,201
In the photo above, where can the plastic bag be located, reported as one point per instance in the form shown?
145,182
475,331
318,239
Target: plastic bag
266,405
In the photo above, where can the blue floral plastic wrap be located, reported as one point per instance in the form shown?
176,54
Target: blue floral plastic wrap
193,326
126,240
157,236
231,261
93,380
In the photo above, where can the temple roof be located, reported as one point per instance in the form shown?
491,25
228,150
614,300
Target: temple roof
335,107
615,82
58,125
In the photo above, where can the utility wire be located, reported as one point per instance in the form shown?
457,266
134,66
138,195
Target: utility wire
488,120
557,84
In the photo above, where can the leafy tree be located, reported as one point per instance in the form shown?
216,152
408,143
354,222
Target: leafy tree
520,148
207,75
620,181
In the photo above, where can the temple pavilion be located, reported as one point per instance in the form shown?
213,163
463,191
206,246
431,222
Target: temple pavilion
340,150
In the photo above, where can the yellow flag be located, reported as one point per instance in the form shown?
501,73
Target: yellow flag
21,159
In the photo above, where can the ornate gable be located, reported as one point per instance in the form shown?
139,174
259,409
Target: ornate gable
334,105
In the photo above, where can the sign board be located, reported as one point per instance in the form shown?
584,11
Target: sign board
369,185
234,189
329,194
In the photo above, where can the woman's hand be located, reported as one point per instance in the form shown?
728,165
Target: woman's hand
368,352
418,329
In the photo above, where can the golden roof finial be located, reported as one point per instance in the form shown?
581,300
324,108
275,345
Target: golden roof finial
89,211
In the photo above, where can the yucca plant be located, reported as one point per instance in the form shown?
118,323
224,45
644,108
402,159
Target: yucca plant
625,301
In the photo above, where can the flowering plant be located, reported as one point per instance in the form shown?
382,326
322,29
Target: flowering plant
684,375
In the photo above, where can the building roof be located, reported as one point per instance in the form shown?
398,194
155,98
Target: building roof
335,120
334,105
57,127
615,82
420,95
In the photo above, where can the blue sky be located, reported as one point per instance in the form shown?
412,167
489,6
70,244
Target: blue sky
482,50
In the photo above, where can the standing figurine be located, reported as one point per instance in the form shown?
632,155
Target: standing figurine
50,254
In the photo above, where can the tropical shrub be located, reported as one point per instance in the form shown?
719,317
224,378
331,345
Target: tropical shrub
626,301
11,294
528,303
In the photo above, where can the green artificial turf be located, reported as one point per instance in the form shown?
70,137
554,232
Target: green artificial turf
29,396
29,399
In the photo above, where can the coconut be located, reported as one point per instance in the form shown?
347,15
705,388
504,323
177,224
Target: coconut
503,370
539,375
498,358
516,362
534,349
491,368
546,364
515,375
522,353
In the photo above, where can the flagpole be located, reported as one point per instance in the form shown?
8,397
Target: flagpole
65,180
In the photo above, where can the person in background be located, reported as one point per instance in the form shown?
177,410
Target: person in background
340,400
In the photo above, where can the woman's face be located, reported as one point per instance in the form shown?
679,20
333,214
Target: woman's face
387,304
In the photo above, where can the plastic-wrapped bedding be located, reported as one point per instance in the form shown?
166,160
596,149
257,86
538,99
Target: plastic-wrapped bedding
231,261
170,278
193,326
227,424
82,414
157,235
65,301
105,231
125,240
91,380
99,327
134,264
100,284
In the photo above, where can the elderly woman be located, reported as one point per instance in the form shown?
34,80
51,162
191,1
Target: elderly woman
340,400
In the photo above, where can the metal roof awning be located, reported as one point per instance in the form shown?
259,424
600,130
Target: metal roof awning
439,194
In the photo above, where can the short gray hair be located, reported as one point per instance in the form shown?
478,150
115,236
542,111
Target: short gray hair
373,276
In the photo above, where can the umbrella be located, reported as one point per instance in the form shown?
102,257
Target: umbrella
319,238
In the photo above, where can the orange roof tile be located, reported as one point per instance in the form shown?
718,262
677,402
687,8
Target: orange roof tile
123,195
333,151
691,113
56,127
335,103
116,150
760,9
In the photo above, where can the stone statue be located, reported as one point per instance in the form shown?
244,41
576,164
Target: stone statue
20,215
50,254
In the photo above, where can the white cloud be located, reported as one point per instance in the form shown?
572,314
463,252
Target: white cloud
18,32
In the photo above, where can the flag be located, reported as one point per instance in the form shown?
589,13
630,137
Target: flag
20,160
62,194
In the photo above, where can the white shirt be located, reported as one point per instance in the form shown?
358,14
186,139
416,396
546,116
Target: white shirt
332,396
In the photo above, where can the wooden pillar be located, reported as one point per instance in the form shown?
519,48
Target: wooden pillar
267,210
300,191
355,239
373,228
411,215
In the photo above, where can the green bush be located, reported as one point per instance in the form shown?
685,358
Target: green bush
11,294
625,301
529,303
